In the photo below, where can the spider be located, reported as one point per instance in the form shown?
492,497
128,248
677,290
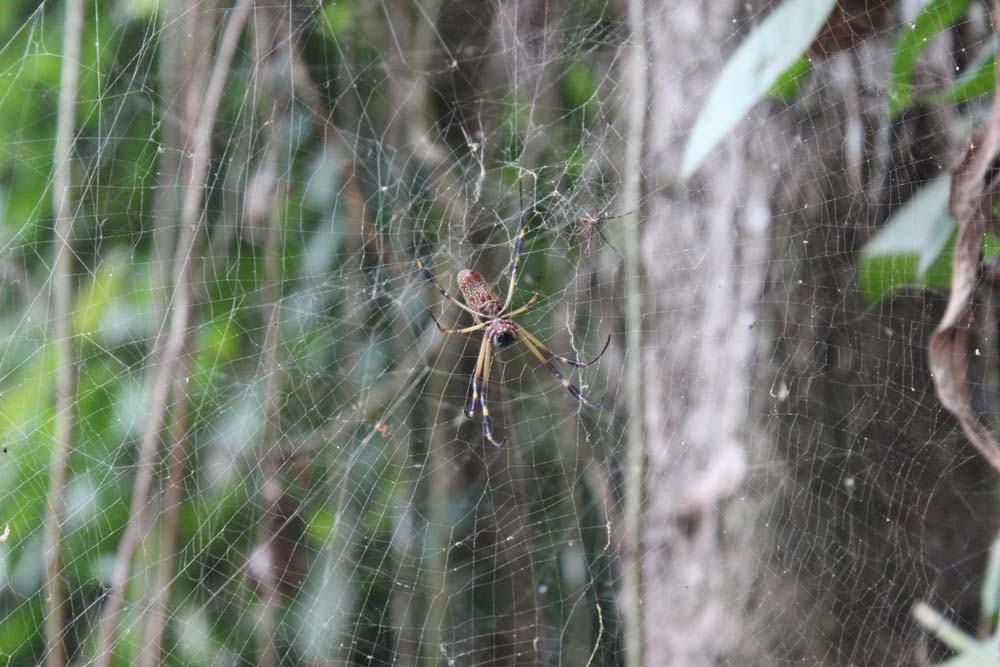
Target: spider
592,223
496,321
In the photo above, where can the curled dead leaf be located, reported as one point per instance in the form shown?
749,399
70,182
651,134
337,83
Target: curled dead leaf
975,185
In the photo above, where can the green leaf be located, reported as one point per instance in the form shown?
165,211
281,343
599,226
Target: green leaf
984,655
219,339
880,276
979,79
320,527
141,9
937,16
991,247
96,297
751,71
338,15
909,250
789,84
25,405
19,632
990,592
942,629
578,85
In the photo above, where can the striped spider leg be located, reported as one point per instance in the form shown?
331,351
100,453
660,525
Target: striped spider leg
496,321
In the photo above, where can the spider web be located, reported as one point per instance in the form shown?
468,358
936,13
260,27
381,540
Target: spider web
317,494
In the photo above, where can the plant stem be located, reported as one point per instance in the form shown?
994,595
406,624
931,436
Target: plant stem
177,74
270,455
171,73
62,285
158,612
636,68
192,218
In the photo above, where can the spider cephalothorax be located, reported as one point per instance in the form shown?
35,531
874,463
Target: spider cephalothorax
501,332
496,320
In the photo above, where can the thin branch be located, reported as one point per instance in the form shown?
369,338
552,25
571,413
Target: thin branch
271,491
192,218
636,69
171,73
62,285
600,634
178,84
172,89
158,613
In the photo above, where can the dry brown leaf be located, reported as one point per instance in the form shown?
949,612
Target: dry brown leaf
974,186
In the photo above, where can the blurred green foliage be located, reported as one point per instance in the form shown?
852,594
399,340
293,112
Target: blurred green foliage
350,311
978,79
937,16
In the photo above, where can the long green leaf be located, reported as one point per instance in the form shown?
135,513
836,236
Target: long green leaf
937,16
789,84
908,247
989,595
984,655
750,73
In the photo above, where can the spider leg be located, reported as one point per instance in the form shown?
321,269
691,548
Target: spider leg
487,420
602,218
478,374
518,245
430,277
475,327
604,210
566,360
526,306
570,387
608,241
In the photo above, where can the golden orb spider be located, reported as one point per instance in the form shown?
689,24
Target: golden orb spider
499,331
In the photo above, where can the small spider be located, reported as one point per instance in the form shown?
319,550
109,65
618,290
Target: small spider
589,224
496,320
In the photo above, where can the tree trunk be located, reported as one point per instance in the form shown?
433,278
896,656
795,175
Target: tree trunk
804,486
705,256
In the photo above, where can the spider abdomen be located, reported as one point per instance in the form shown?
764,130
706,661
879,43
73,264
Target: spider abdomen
479,294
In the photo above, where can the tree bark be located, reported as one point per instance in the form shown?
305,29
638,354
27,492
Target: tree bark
705,255
804,486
